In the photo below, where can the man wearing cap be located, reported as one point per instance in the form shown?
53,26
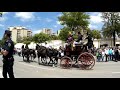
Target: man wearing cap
7,52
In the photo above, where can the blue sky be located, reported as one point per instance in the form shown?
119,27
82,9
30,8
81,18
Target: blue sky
35,21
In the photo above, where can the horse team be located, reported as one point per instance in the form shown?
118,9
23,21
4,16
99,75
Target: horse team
45,55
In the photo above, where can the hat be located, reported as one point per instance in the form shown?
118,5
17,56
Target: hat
79,33
7,32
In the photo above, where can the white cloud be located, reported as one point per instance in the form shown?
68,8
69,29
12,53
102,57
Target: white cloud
25,16
2,19
38,18
58,22
48,20
96,18
94,13
59,15
36,31
93,26
55,26
1,25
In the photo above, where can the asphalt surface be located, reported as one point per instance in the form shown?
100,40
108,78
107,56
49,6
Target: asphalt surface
34,70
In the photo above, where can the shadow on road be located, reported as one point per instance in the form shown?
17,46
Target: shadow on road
44,64
28,62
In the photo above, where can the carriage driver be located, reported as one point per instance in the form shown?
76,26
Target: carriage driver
80,37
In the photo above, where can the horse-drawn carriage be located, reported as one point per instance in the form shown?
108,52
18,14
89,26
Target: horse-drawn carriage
77,55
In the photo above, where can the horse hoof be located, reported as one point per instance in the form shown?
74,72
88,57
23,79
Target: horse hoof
28,61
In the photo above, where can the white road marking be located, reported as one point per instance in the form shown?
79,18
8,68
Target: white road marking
37,66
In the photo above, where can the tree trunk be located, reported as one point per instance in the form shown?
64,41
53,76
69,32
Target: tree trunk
114,38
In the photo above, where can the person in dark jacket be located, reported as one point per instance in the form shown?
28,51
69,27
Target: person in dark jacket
7,52
90,41
116,54
80,36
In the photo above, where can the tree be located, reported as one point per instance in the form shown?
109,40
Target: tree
27,40
96,34
64,33
111,24
74,20
54,37
2,41
41,38
36,38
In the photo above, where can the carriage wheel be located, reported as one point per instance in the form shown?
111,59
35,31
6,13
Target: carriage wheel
66,62
86,61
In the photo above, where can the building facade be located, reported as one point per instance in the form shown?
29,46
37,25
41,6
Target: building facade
19,32
46,31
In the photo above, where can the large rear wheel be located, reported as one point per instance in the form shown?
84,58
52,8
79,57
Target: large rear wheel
86,61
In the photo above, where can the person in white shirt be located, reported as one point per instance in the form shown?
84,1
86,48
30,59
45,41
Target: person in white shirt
103,54
47,46
106,53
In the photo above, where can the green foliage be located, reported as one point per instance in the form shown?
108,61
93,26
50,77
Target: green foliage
74,20
19,40
54,37
2,41
107,32
64,33
111,23
96,34
75,37
41,38
27,40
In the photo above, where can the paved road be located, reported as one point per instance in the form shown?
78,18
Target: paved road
33,70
